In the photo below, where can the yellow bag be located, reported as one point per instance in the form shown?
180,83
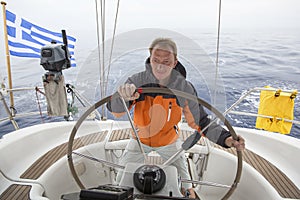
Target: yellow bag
280,106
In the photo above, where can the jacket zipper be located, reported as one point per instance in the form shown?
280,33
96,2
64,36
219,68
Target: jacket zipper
169,111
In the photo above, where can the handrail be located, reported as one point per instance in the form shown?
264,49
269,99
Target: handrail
23,89
272,89
229,110
263,116
23,115
10,117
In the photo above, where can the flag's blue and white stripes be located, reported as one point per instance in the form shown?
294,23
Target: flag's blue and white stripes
26,39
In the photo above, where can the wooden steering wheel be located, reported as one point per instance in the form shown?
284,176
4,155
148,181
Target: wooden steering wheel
161,91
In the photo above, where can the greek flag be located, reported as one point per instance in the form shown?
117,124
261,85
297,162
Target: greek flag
26,39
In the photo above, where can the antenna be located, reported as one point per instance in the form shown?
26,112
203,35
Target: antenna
65,47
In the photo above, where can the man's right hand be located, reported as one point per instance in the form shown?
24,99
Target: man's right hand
128,92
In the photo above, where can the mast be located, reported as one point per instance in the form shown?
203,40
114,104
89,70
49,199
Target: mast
8,60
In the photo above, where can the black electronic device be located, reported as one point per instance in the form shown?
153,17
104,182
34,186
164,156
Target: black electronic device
56,57
107,192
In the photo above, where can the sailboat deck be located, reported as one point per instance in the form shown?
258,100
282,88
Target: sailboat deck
284,186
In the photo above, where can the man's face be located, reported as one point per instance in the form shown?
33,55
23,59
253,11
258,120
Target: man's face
162,63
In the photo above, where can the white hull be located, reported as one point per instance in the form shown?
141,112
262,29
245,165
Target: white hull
20,149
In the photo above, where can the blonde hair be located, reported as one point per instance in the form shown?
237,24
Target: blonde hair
164,43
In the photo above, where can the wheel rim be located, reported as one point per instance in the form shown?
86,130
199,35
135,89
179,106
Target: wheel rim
163,91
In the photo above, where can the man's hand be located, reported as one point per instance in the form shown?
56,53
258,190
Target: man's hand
128,92
238,144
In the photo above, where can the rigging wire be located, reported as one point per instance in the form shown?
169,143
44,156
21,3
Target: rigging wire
101,53
103,76
217,55
103,47
112,44
98,36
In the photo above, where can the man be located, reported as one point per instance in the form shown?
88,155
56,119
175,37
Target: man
156,115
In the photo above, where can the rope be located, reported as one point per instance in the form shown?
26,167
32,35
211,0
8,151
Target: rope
38,101
9,113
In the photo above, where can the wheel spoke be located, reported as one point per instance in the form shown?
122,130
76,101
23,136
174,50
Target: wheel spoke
161,91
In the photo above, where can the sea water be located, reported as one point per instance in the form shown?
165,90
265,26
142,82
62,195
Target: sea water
246,60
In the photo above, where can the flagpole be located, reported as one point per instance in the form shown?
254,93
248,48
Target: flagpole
8,59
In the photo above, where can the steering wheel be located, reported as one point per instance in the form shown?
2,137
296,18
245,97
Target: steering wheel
160,91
